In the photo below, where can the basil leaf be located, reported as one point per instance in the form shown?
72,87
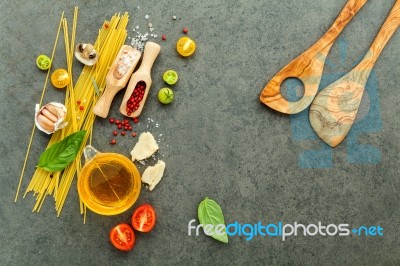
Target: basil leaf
62,153
210,213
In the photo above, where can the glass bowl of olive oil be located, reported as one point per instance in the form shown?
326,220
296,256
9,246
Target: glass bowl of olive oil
109,183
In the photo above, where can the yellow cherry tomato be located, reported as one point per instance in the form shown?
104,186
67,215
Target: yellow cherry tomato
60,78
185,46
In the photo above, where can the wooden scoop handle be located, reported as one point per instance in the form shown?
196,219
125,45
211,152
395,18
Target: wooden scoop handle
103,105
308,67
149,57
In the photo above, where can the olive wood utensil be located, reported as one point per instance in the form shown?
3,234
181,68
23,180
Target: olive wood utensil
117,78
151,51
335,108
308,67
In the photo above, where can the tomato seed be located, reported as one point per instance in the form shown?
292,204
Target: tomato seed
113,142
122,133
133,134
115,132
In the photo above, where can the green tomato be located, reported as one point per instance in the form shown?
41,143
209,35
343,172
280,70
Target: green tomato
165,95
170,77
43,62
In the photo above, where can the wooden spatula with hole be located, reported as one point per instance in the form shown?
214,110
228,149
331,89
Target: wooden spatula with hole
141,78
335,108
117,78
308,67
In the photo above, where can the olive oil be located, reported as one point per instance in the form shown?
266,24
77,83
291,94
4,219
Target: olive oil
109,183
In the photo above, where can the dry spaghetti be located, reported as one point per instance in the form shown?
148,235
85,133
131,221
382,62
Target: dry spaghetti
111,37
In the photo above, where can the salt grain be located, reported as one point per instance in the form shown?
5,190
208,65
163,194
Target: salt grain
174,17
146,17
150,25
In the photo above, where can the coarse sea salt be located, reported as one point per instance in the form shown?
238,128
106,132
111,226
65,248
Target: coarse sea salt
139,40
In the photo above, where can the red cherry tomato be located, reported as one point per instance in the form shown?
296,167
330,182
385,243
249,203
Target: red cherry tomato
122,237
144,218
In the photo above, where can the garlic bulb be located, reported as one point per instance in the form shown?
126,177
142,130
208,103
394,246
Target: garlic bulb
50,117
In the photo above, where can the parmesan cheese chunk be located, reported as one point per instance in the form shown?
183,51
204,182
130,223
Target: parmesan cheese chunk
153,174
145,147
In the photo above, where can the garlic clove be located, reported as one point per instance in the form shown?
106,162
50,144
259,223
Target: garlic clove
45,123
86,54
50,117
58,111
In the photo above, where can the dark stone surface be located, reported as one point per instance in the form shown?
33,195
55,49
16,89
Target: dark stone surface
217,139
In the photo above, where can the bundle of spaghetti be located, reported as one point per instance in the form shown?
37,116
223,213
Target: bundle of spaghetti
87,89
40,103
49,184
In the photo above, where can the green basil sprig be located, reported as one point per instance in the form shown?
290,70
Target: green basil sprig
210,213
62,153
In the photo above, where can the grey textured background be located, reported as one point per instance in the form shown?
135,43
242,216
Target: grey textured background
218,140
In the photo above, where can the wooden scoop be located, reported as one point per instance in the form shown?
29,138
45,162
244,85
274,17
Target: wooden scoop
308,67
117,78
142,76
335,108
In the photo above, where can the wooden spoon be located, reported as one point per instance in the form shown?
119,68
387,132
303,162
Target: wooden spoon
142,75
335,108
117,78
308,67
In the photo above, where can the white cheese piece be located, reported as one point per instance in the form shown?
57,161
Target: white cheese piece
145,147
153,174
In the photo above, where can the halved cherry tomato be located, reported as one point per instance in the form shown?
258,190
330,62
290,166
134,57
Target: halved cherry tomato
185,46
122,237
144,218
170,77
60,78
